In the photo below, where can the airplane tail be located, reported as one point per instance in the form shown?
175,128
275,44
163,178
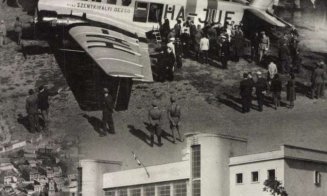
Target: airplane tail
264,4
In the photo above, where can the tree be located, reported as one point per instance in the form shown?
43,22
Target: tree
274,187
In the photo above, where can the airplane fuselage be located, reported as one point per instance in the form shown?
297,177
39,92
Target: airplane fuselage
141,16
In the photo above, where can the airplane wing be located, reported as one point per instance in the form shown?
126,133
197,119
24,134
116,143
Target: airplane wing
118,55
266,17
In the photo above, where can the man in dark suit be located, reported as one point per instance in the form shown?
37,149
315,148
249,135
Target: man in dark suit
260,87
246,87
32,111
224,52
108,109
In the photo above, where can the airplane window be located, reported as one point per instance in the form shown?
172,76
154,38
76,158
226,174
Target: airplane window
112,2
126,2
97,0
141,12
155,12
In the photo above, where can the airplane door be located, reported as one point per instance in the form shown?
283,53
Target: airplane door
155,12
141,11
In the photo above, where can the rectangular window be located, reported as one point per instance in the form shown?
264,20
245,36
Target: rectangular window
122,192
239,178
180,189
196,161
109,193
317,177
255,176
140,12
271,174
196,184
112,2
164,190
135,192
149,190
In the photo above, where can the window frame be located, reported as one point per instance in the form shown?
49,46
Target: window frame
236,178
268,176
258,179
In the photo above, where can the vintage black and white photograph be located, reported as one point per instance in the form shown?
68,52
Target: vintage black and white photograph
163,98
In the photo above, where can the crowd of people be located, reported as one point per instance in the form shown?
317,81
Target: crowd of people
273,85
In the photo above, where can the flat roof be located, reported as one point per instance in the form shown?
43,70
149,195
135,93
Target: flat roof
285,152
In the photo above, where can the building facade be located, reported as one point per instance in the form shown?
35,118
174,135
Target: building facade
301,171
204,162
215,165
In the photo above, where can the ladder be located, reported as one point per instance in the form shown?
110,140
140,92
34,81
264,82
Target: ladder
156,33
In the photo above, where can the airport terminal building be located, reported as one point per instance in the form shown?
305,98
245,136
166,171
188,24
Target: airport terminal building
213,165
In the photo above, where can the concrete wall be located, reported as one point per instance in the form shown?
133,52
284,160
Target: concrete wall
158,173
92,171
249,188
299,178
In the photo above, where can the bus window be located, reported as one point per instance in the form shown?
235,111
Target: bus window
126,2
112,2
141,12
155,12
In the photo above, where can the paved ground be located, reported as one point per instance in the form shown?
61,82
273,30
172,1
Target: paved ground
208,96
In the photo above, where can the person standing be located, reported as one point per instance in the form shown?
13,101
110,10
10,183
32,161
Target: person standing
197,39
171,45
255,47
318,81
264,45
43,103
164,30
169,64
284,58
107,111
3,33
174,116
276,89
178,29
204,48
155,118
260,88
32,111
290,92
18,27
224,52
246,86
238,43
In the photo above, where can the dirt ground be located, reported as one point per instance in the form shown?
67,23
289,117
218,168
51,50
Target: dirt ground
207,94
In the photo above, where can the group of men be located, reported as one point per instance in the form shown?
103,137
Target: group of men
274,86
155,116
37,103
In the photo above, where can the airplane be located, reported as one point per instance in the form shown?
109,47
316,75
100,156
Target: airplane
113,32
119,54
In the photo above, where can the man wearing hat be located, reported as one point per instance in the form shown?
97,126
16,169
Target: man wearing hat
171,45
318,79
107,110
43,103
264,45
246,87
155,117
224,52
3,32
174,116
260,88
204,48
